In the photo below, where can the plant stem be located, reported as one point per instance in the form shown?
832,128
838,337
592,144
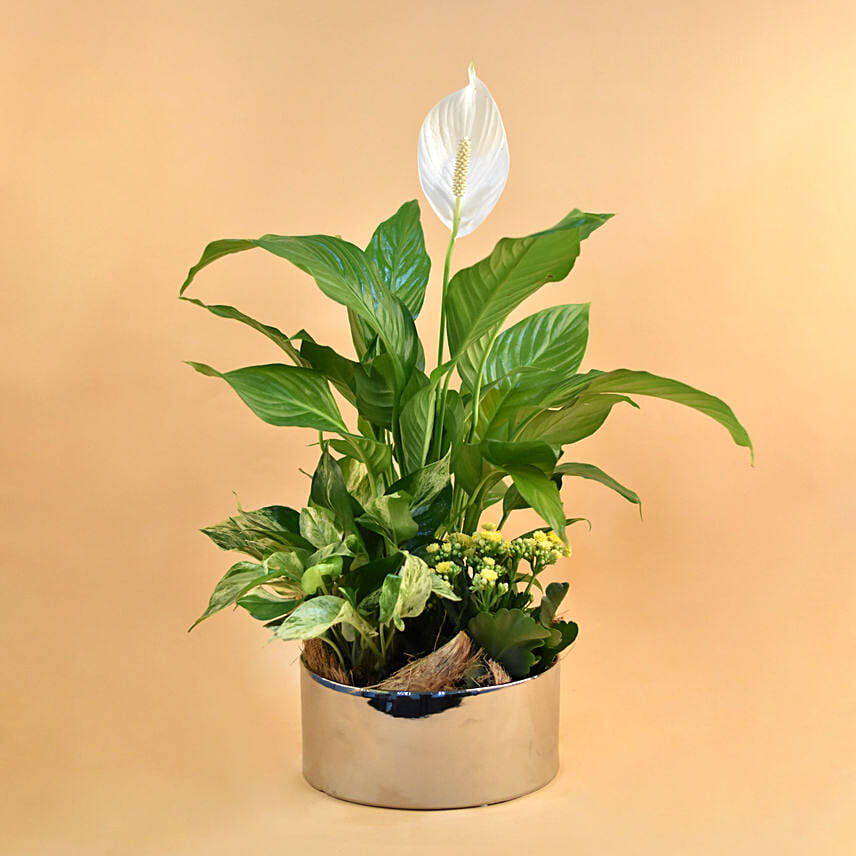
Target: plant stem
335,647
456,222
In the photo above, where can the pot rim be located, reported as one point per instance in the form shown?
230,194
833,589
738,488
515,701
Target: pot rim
365,692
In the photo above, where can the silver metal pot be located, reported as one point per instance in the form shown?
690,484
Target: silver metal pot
430,750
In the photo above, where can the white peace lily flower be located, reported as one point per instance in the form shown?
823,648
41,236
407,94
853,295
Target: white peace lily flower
463,156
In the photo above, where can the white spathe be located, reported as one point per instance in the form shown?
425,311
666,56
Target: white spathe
469,112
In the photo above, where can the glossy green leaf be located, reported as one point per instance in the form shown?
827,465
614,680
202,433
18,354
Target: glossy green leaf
542,494
375,455
397,249
338,370
534,453
318,527
260,532
425,483
553,339
510,403
390,516
510,637
440,586
550,602
388,599
376,397
238,580
275,335
343,273
329,491
481,297
317,615
588,471
417,423
214,251
574,422
283,395
264,606
313,577
369,577
405,595
628,382
567,632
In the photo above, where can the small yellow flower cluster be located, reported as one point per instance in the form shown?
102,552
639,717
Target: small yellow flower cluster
489,562
543,548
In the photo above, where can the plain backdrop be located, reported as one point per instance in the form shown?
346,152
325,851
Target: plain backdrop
708,705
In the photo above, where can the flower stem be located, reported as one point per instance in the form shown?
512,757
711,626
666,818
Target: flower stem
440,405
456,222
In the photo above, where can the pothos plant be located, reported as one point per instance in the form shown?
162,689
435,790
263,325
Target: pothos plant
388,559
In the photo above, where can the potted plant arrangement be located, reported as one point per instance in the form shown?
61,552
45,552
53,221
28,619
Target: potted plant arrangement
430,645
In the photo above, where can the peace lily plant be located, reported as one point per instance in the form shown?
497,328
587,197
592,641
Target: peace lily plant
389,559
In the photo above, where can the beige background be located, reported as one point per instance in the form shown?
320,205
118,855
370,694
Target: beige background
708,704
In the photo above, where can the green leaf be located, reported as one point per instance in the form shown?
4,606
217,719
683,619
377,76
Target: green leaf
398,250
568,522
283,395
318,527
265,606
628,382
356,478
376,395
550,602
511,402
390,516
405,595
216,250
275,335
260,532
574,422
369,577
532,453
440,586
470,467
588,471
317,615
313,576
238,580
566,631
553,340
541,493
480,297
417,427
344,274
388,600
375,455
425,483
509,636
338,370
329,491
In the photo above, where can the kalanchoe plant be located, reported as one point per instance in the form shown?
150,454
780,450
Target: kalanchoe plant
389,559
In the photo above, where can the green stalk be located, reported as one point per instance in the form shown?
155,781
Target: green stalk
477,390
335,647
456,222
440,406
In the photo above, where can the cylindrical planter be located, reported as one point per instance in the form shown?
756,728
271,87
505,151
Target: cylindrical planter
430,750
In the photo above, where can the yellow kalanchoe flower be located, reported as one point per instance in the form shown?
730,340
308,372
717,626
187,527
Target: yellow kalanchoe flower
443,567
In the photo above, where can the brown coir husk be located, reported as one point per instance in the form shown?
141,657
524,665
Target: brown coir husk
455,665
443,669
319,658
